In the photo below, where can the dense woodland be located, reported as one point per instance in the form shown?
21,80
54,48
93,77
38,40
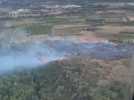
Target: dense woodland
60,81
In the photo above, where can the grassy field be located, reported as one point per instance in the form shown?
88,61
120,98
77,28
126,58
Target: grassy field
37,29
126,37
44,25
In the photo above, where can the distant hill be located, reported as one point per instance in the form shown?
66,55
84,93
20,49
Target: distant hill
19,3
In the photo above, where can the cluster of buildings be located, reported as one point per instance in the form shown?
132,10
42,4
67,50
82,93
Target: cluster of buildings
43,10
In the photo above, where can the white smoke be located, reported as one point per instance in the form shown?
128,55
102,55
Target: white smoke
29,57
31,54
15,55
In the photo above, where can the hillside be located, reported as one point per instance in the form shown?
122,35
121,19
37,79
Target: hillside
75,79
